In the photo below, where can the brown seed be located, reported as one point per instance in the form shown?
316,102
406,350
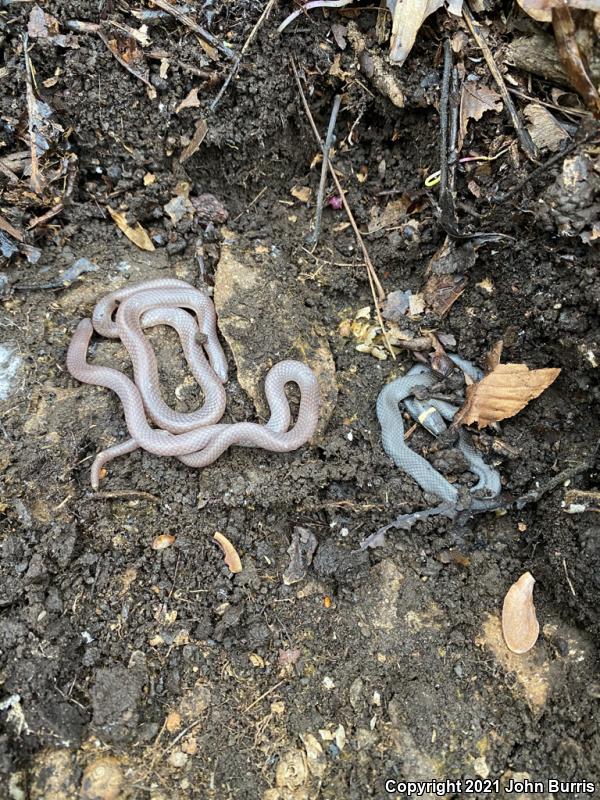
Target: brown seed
520,627
162,541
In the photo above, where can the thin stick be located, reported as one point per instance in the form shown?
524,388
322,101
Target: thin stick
574,112
236,64
444,99
448,219
313,237
263,695
567,577
192,25
522,132
375,285
545,166
406,521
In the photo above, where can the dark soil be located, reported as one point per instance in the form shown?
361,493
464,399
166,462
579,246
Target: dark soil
103,637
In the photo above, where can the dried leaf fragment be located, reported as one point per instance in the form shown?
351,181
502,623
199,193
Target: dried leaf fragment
545,129
198,137
407,18
503,393
162,541
475,100
520,627
232,558
136,234
301,193
190,101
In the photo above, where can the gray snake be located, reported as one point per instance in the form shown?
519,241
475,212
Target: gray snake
196,438
430,414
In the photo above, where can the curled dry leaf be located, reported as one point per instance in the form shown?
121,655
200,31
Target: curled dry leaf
200,132
503,393
520,627
136,233
407,18
129,54
232,558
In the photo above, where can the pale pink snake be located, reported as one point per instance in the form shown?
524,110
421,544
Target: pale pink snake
196,438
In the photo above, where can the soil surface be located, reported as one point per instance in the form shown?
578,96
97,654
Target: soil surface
134,672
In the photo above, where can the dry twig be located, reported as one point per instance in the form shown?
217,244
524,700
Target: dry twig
236,65
313,237
374,283
185,19
522,132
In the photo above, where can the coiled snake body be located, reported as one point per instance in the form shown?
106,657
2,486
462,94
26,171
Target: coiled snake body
196,438
430,414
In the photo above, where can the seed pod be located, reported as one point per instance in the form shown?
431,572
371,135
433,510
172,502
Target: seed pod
520,627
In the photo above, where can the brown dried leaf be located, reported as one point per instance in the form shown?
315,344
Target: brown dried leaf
408,16
129,54
545,129
390,216
197,139
503,393
136,234
520,627
442,291
301,193
475,100
492,360
232,559
191,101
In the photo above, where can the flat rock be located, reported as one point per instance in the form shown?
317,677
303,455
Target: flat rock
264,320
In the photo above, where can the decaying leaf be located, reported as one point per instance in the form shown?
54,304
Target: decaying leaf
180,205
301,193
390,216
475,100
402,304
43,129
136,233
503,393
301,551
573,58
452,257
520,627
232,558
492,359
129,54
546,131
198,137
442,291
190,101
